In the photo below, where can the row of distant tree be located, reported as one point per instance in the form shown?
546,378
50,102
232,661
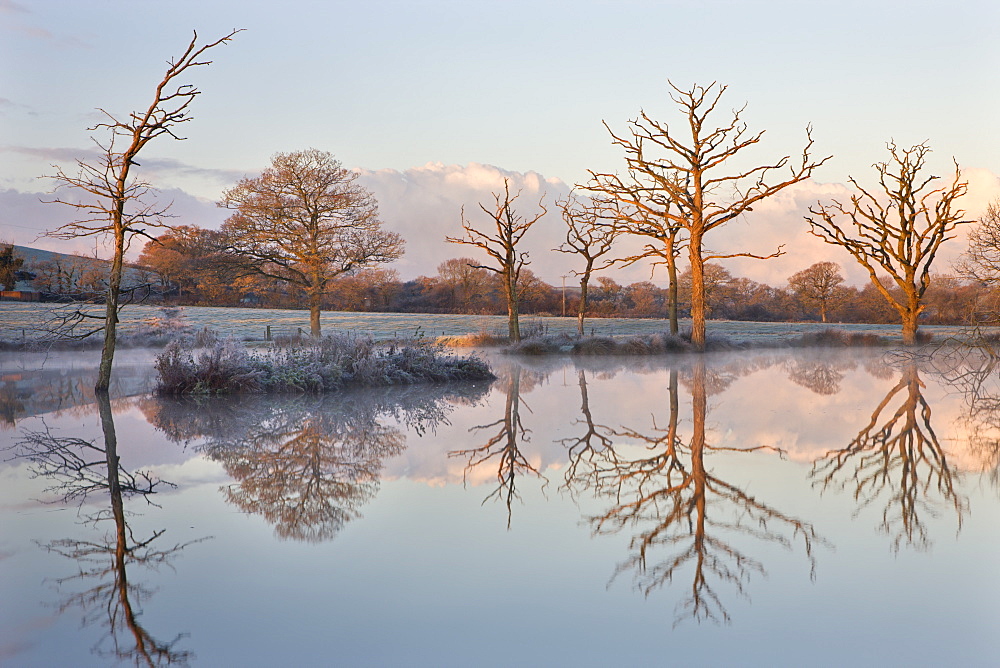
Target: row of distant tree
185,266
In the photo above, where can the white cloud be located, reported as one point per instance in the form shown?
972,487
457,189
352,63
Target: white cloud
424,204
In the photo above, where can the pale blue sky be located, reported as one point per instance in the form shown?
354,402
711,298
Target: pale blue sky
520,85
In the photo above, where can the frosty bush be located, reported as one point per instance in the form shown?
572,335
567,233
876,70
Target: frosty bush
325,365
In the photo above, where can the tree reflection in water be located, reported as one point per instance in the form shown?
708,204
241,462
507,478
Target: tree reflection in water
822,376
897,456
307,464
503,446
682,515
975,375
77,469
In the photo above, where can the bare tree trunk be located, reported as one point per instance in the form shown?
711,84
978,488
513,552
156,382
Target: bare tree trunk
697,294
111,314
584,284
672,288
909,318
315,302
513,326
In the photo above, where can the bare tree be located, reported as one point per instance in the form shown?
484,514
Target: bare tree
686,174
586,237
502,247
642,210
817,284
118,203
898,230
305,221
981,261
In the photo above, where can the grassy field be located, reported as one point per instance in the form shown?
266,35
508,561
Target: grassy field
29,321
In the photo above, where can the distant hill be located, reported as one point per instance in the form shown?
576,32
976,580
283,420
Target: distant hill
36,257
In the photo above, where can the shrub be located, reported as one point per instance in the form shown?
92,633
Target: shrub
224,367
651,344
477,340
836,338
309,366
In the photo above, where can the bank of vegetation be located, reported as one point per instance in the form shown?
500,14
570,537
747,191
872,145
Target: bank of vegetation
327,364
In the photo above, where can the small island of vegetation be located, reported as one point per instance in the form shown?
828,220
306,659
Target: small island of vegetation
308,365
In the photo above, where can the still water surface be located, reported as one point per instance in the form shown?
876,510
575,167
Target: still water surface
766,508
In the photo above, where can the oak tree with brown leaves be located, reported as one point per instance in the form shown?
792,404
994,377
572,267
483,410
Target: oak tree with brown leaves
817,284
305,220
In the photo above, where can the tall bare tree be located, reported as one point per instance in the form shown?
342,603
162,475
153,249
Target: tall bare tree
116,203
588,238
642,210
818,284
305,220
501,245
686,174
897,231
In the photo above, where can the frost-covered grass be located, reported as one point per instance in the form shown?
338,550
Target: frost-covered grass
326,365
143,325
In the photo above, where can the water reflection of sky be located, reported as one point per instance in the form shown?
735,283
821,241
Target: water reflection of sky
403,555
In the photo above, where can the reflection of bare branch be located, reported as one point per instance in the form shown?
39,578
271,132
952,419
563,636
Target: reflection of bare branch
503,447
897,454
590,445
116,600
665,495
76,466
974,372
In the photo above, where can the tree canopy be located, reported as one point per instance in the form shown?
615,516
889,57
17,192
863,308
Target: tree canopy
305,220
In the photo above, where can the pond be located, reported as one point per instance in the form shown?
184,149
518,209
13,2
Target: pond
759,508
